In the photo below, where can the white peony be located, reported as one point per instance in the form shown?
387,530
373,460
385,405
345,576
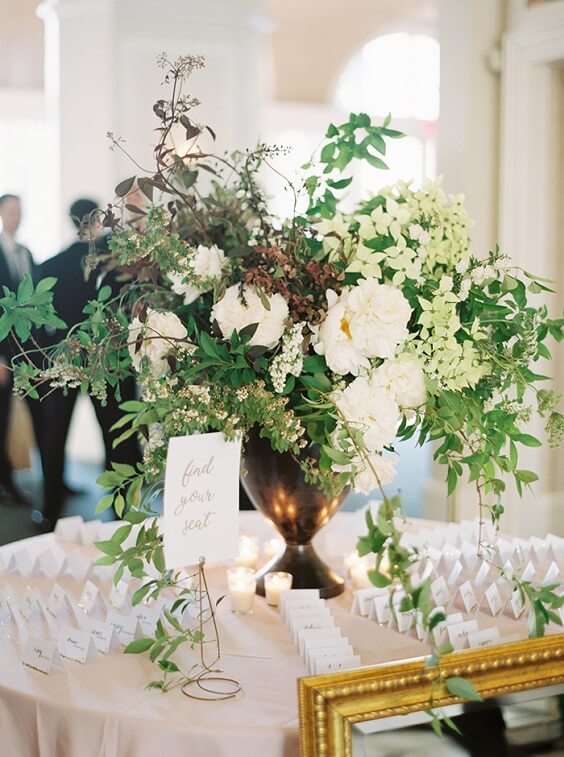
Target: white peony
372,410
378,316
404,379
206,263
159,334
334,339
369,473
231,313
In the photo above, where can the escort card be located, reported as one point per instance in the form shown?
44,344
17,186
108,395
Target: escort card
30,606
539,549
440,631
324,644
90,531
78,566
528,572
319,655
25,564
310,620
468,597
119,594
494,599
7,562
103,634
59,603
42,655
333,664
482,574
90,600
201,499
68,529
516,604
454,574
552,574
382,608
362,599
299,605
439,590
458,633
51,563
288,596
485,638
306,635
469,556
405,620
127,628
147,617
76,644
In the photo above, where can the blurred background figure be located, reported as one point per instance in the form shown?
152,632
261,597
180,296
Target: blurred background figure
15,261
74,288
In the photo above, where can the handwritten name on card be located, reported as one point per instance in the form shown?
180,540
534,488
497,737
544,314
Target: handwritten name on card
201,499
42,655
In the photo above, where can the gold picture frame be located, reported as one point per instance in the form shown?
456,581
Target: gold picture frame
329,705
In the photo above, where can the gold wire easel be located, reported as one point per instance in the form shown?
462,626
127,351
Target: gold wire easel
209,671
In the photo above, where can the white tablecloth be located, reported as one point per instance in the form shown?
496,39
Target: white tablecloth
102,709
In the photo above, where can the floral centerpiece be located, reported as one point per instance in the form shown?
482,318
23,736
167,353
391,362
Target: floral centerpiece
329,334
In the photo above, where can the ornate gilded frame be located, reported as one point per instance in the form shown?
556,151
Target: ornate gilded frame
329,705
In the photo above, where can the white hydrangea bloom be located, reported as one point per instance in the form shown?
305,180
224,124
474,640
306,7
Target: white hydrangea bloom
155,339
232,313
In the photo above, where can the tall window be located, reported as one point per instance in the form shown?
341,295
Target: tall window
397,74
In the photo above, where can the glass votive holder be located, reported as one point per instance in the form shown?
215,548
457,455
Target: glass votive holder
274,583
351,560
241,584
248,552
359,576
273,548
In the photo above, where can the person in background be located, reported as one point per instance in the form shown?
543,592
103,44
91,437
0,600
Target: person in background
15,261
71,293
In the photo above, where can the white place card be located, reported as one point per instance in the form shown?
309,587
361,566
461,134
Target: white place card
528,572
103,634
59,603
326,644
78,566
91,531
30,606
486,638
42,655
7,562
5,608
76,644
26,565
51,563
68,529
405,620
539,548
334,664
382,608
494,599
318,619
301,605
482,574
552,574
306,635
469,554
439,591
466,593
201,499
363,599
119,595
127,627
318,655
147,618
90,601
516,604
458,633
454,574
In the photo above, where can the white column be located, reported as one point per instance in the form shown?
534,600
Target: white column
101,75
468,156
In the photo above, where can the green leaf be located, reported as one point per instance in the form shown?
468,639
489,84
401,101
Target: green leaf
378,579
461,687
139,645
104,503
158,560
106,560
108,547
124,187
46,284
121,533
134,516
527,440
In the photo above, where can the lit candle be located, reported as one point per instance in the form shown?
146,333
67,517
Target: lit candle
272,548
274,583
242,585
351,560
359,576
248,552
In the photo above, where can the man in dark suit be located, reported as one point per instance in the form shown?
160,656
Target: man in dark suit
15,262
70,294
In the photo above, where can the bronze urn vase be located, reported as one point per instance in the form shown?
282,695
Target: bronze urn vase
276,486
